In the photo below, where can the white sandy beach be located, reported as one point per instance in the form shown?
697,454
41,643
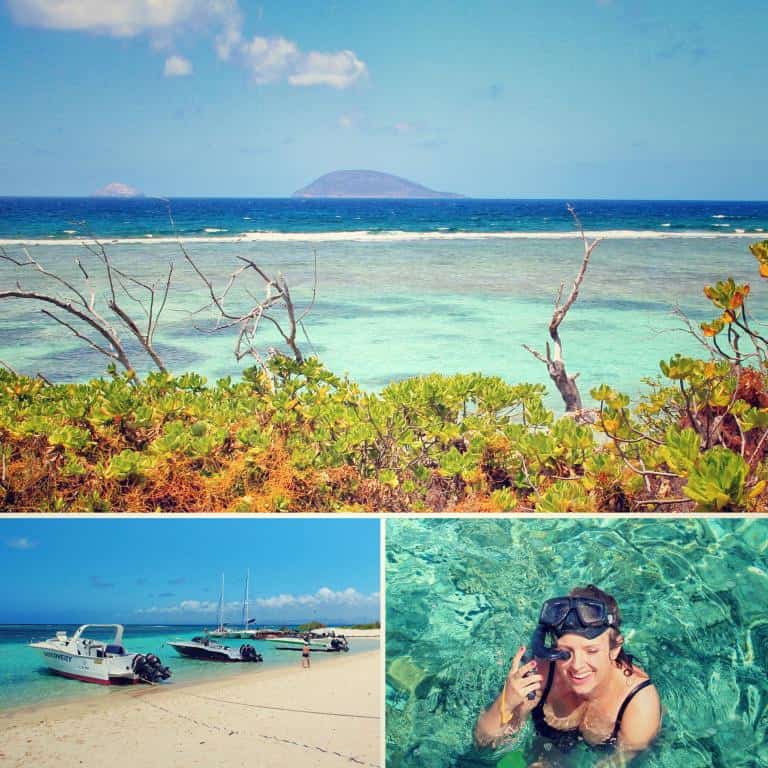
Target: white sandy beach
327,716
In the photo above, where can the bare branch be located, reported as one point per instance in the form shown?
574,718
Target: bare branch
535,353
277,296
10,368
589,247
82,304
566,385
678,312
38,267
114,354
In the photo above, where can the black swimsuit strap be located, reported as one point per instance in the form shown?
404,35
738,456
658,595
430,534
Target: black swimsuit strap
624,704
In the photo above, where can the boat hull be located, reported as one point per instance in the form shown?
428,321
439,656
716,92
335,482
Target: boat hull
98,681
89,670
315,645
203,654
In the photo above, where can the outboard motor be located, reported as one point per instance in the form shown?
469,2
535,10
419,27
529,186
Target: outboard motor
249,653
339,644
149,668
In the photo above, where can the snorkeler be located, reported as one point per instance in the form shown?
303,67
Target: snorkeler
585,688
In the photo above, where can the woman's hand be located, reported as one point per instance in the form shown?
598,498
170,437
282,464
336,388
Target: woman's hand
521,682
508,713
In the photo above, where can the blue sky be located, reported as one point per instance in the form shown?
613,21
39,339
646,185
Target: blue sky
169,570
593,98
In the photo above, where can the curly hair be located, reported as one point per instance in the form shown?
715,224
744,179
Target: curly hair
623,660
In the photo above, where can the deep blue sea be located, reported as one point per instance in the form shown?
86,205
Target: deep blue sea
404,287
117,218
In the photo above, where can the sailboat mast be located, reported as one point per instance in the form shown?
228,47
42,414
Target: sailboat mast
245,600
221,605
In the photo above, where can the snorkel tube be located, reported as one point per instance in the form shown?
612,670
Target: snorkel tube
543,651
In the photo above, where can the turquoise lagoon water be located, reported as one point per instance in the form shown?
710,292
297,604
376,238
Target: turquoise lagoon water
463,594
393,309
25,681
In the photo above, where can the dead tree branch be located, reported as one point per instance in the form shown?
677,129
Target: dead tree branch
566,385
79,301
276,307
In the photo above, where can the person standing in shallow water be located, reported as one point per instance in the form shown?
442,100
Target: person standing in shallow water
305,651
584,688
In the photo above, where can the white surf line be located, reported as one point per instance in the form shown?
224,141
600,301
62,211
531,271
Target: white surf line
386,237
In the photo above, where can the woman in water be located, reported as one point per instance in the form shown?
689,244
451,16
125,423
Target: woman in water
583,688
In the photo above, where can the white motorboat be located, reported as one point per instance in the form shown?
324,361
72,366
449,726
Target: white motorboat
331,643
99,661
205,649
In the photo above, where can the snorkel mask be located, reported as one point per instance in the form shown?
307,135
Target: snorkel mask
584,616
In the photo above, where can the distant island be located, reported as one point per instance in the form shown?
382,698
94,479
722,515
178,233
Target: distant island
367,184
117,189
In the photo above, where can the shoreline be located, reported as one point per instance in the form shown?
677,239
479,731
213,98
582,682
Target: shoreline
87,692
331,712
389,236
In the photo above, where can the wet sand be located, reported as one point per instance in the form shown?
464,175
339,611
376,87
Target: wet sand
326,716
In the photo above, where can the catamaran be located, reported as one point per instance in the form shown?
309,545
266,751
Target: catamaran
98,661
223,630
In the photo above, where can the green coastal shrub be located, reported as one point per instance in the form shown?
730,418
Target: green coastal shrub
301,438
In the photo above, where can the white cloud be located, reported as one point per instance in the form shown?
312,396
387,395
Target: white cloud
346,122
22,542
118,18
177,66
339,70
267,59
230,37
207,607
196,606
324,597
325,600
273,59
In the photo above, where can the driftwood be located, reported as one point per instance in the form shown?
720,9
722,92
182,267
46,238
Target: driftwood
565,383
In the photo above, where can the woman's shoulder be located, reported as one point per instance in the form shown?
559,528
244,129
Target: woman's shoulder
642,712
639,686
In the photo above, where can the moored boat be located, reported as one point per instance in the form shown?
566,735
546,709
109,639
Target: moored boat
205,649
331,643
222,630
94,660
